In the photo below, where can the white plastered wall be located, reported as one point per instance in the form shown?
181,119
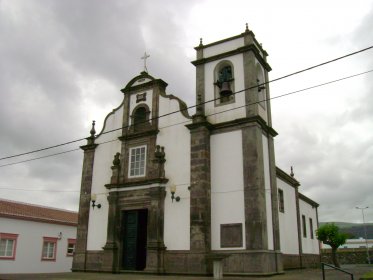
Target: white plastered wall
223,47
227,197
288,220
210,108
175,137
309,245
268,195
30,244
104,155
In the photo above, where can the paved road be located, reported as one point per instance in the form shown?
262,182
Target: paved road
307,274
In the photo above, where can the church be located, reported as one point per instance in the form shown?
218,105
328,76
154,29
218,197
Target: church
166,192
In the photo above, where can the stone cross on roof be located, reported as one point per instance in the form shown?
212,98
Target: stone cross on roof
145,57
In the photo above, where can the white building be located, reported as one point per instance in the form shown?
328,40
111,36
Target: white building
297,213
178,191
36,239
357,243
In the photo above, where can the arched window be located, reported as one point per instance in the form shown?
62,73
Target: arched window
224,83
140,117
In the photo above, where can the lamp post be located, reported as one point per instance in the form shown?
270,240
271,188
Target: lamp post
365,230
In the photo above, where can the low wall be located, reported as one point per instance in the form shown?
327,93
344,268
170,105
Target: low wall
347,256
306,261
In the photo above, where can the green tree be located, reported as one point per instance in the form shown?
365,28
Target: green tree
329,234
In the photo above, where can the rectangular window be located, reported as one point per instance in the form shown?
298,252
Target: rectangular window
70,247
281,205
137,162
311,228
8,243
49,248
304,226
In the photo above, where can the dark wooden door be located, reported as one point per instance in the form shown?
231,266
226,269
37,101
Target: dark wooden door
134,239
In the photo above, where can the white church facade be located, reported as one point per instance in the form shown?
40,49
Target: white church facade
177,191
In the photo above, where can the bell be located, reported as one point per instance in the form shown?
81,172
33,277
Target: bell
225,89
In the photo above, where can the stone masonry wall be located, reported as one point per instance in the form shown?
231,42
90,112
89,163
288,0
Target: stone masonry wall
347,256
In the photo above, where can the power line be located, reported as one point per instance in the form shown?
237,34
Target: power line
322,64
193,106
43,149
252,87
51,155
45,189
77,191
212,114
296,91
32,159
35,190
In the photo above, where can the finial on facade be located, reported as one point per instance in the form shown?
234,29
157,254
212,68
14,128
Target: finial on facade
291,171
145,57
200,42
93,131
247,28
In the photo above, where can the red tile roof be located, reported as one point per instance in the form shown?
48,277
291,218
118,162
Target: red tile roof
24,211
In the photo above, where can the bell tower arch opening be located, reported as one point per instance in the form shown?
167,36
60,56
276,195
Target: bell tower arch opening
261,88
224,82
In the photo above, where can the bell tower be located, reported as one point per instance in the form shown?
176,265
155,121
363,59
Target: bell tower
233,173
231,73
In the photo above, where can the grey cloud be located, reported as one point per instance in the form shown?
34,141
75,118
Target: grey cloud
47,49
362,38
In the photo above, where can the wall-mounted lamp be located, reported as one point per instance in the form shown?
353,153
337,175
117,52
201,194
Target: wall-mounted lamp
93,199
173,190
59,237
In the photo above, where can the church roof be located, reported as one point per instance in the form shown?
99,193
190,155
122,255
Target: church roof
287,177
24,211
308,200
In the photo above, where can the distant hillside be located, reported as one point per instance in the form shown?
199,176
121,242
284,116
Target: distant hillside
354,229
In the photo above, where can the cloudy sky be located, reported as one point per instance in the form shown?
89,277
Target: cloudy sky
62,64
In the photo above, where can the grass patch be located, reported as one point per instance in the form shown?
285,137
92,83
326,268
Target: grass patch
368,275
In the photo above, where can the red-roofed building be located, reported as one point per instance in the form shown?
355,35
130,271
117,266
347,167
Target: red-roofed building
36,239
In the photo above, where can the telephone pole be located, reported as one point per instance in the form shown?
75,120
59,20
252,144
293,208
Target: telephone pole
365,230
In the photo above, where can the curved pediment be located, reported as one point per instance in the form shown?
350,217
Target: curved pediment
143,78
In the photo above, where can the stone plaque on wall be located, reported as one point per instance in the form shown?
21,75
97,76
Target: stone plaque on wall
140,97
230,235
